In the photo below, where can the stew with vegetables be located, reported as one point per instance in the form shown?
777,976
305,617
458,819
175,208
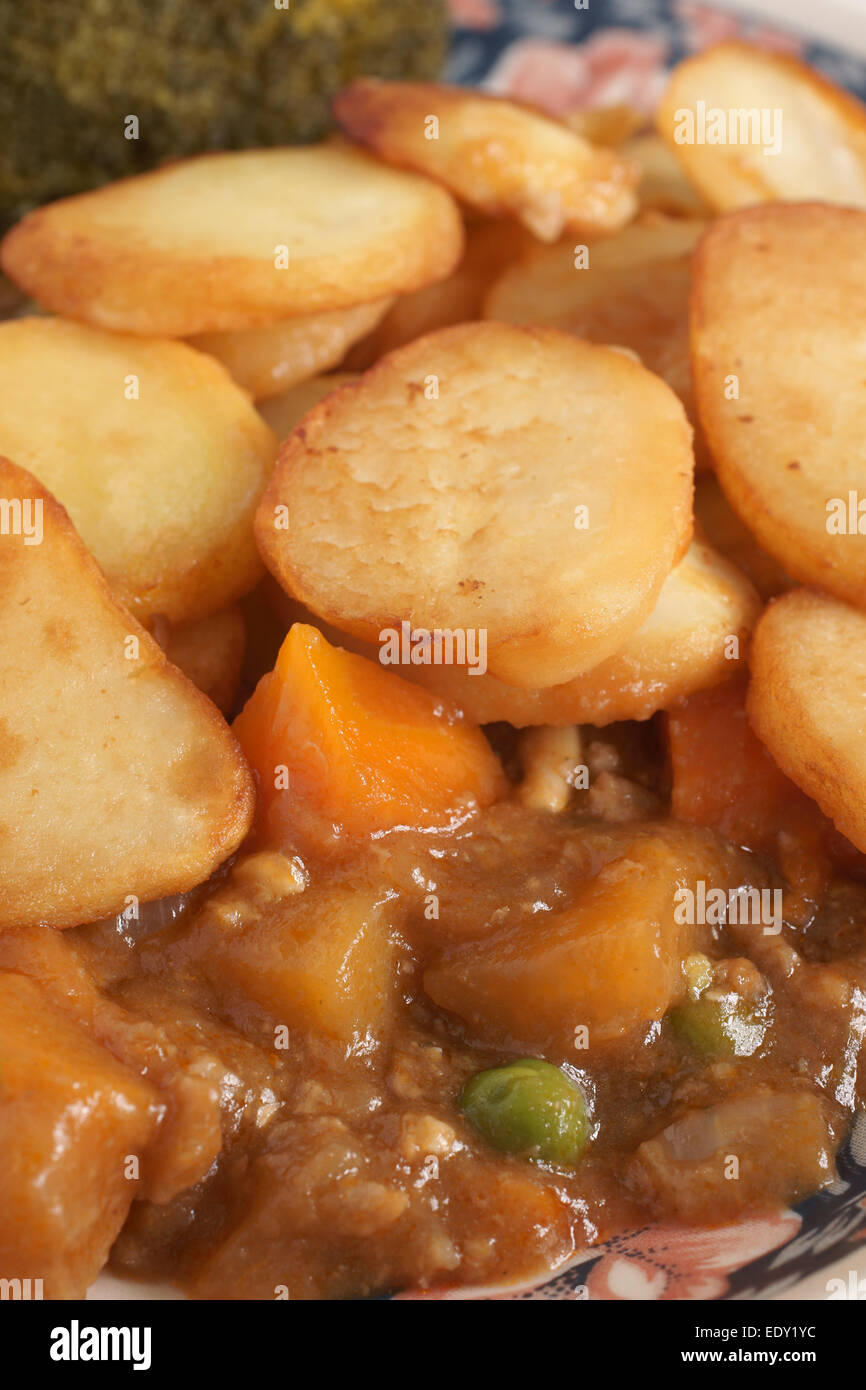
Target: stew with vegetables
489,876
447,1054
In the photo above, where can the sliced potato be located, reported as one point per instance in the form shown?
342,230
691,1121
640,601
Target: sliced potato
286,411
608,962
694,638
663,185
633,293
807,701
726,532
272,359
751,126
210,652
159,458
511,480
118,777
491,245
606,125
778,308
236,240
497,156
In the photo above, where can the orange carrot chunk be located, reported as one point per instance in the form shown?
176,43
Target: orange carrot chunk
723,777
344,749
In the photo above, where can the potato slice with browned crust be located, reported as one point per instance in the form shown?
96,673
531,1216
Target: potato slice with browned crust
631,290
751,126
491,245
694,638
235,240
285,411
497,156
663,185
807,701
716,519
209,651
488,477
605,125
119,780
269,360
778,308
158,456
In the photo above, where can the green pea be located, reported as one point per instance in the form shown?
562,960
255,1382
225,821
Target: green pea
528,1107
719,1025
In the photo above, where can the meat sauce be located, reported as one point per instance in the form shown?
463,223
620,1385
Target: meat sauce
255,1092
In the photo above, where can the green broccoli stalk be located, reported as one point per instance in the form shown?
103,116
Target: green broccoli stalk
96,89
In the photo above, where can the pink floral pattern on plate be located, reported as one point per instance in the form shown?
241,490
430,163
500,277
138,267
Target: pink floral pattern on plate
703,26
616,66
475,14
648,1264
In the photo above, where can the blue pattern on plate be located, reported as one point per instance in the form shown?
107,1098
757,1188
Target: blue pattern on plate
475,52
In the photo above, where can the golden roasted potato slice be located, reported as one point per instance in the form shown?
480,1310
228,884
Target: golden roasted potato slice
778,308
286,411
694,638
807,701
663,184
269,360
500,157
159,458
209,651
491,245
606,125
118,780
750,127
724,530
236,240
634,293
490,478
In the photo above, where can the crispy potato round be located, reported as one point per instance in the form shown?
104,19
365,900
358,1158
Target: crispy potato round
267,361
719,523
209,651
235,240
491,245
778,307
814,131
118,777
633,293
663,185
158,456
496,155
284,412
488,477
807,701
605,125
694,638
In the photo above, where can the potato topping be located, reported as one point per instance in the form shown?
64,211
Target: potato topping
516,484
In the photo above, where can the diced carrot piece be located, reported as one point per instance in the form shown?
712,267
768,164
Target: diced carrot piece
723,777
343,748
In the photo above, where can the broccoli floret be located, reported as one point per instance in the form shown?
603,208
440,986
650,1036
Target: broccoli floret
195,74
